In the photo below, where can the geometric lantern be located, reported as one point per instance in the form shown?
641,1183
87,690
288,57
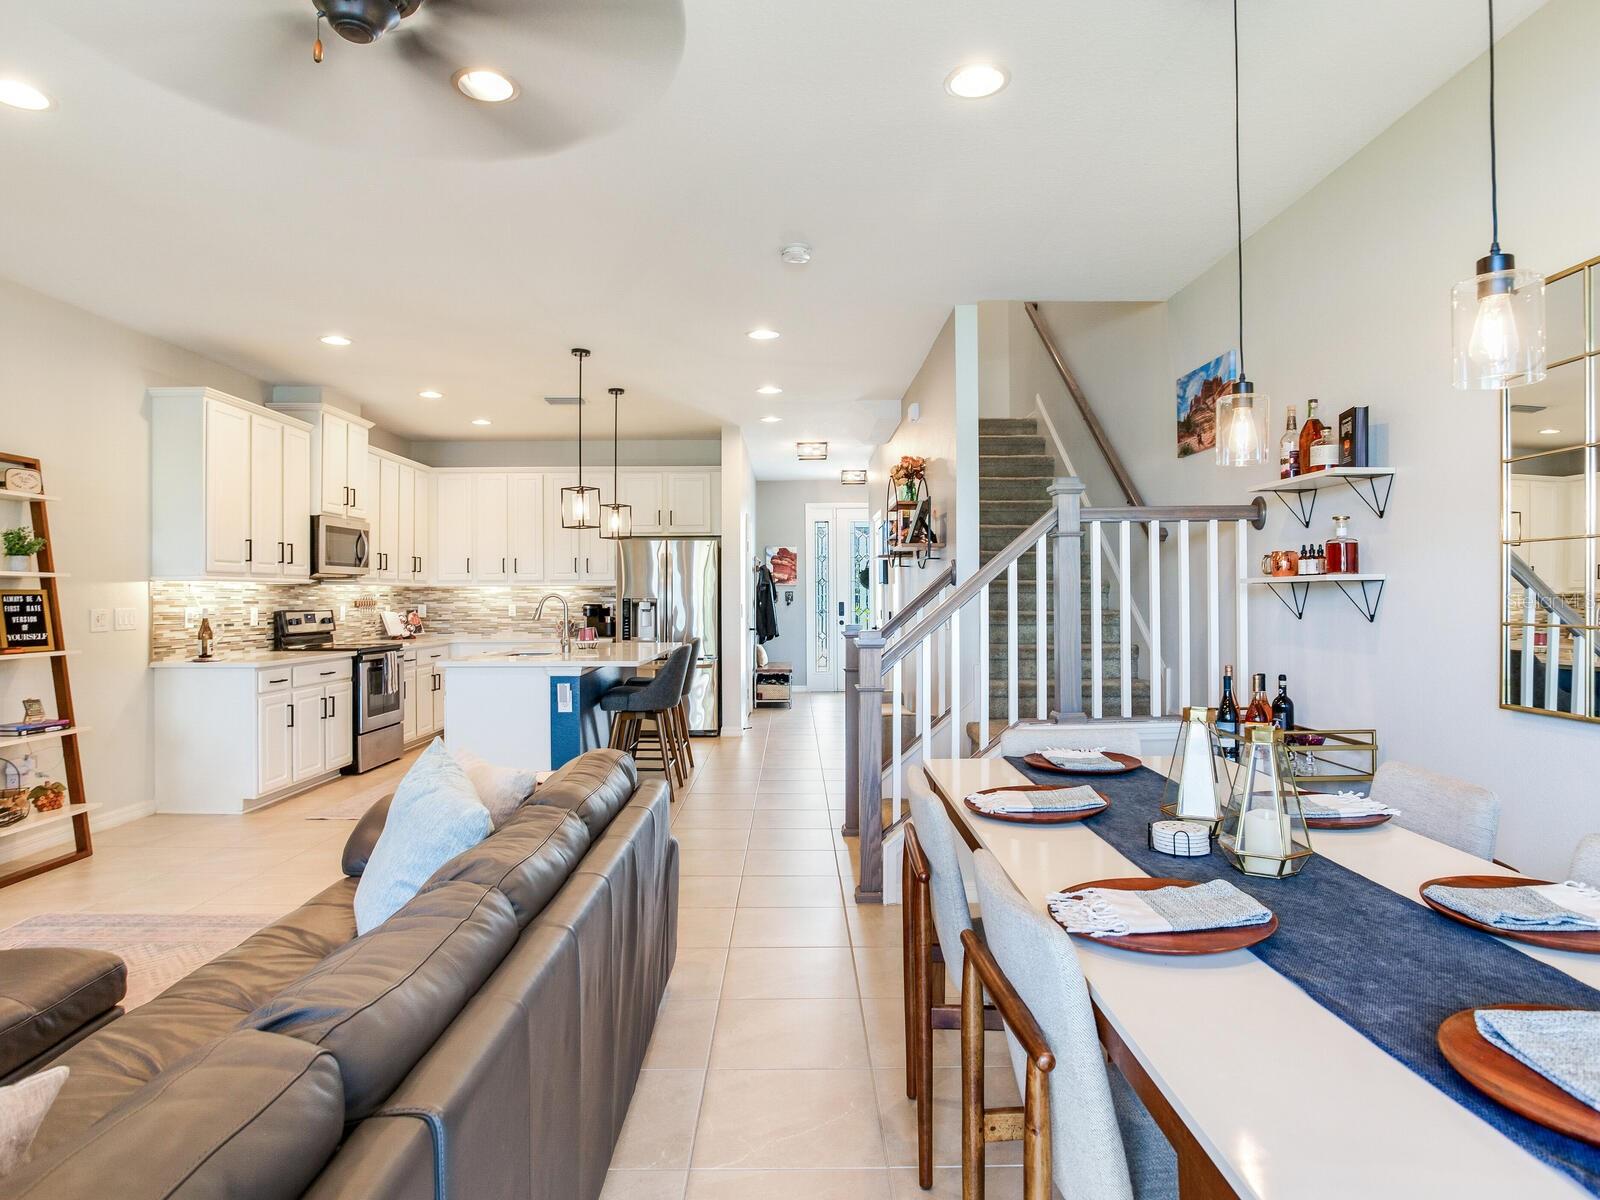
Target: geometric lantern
1197,788
616,518
580,506
1263,828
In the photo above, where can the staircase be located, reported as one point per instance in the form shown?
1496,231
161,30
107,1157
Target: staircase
1015,469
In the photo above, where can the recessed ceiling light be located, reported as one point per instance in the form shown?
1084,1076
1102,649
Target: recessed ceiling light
430,394
769,390
335,339
762,335
976,80
21,95
1549,431
770,420
481,421
480,83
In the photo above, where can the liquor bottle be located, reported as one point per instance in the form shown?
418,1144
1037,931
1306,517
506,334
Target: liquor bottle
1324,451
1289,449
1309,433
1344,555
1228,717
1260,710
1282,706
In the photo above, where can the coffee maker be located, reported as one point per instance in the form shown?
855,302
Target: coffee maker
598,618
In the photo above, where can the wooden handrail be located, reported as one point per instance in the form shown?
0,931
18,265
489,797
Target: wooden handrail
1097,431
1255,512
1013,1010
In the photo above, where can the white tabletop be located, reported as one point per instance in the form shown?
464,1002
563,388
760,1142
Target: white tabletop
1289,1101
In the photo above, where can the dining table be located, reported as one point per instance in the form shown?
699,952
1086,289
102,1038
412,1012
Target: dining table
1262,1091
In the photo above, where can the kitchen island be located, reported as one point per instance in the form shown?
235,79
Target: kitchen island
539,706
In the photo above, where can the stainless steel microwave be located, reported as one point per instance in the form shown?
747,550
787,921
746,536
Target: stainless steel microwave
341,548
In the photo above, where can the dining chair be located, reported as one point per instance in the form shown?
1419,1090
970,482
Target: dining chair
934,915
1585,866
1448,810
1082,1127
1030,739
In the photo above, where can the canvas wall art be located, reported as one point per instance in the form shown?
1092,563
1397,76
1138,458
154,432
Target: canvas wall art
1198,393
784,563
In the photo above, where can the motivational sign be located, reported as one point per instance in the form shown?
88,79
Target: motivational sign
25,623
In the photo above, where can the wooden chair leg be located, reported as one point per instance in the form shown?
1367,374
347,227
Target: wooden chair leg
908,947
926,970
1036,1182
683,724
972,1144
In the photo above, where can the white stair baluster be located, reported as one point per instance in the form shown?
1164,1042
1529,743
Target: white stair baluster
1125,615
896,741
1241,603
955,685
1153,535
1213,628
1552,662
925,699
1529,616
1097,683
1041,610
1011,643
983,670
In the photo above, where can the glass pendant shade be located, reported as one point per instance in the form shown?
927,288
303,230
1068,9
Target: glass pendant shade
1197,788
580,507
1263,827
616,520
1243,419
1497,326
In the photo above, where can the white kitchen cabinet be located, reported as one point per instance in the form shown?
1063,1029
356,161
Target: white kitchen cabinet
308,733
338,725
573,555
430,690
361,495
334,449
405,551
296,501
645,492
227,488
339,450
408,702
437,721
491,551
689,502
265,481
274,753
452,530
422,524
525,521
385,492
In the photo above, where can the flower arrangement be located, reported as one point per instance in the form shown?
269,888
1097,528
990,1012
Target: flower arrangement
910,469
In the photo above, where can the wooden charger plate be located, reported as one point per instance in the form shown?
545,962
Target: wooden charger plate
1125,763
1582,941
1343,822
1201,941
1520,1088
1035,818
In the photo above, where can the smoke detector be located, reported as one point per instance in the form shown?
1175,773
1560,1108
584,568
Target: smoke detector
796,254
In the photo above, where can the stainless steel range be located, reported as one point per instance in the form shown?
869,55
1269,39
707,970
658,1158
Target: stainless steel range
377,718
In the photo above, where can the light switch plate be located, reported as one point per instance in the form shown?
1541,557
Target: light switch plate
255,615
564,697
191,617
127,618
99,620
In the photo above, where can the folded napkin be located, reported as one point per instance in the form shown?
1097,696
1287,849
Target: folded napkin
1050,800
1082,760
1563,1045
1344,804
1550,907
1107,912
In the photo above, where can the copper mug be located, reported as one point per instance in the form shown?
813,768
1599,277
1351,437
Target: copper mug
1282,562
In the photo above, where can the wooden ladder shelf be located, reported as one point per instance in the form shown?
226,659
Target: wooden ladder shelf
76,810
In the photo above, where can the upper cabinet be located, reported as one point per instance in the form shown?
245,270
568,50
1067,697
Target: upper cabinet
643,491
400,521
230,488
339,447
689,502
452,527
489,527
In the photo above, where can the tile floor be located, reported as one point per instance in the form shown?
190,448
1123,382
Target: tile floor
777,1067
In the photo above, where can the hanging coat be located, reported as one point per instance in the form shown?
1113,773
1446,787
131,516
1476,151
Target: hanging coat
766,605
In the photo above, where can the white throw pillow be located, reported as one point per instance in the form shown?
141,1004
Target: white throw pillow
23,1106
502,789
434,816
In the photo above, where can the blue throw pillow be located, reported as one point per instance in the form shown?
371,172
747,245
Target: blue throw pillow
434,816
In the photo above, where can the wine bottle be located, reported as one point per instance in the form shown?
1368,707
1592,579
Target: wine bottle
1289,449
1282,706
1260,710
1228,717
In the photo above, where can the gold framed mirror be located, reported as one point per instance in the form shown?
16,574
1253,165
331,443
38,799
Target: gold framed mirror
1550,514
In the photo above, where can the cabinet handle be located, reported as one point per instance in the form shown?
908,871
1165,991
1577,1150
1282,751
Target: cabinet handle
280,552
502,566
324,708
291,716
333,706
291,554
277,681
249,550
669,517
352,498
586,565
515,570
325,673
574,564
347,495
658,516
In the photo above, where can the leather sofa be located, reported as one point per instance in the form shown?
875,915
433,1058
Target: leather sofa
483,1043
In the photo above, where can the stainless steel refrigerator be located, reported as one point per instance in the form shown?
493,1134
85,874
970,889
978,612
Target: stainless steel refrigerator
670,588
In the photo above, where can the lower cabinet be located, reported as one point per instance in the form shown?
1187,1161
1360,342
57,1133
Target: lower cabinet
408,700
274,751
339,727
425,694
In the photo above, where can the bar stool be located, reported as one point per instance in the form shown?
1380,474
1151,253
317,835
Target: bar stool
631,706
679,716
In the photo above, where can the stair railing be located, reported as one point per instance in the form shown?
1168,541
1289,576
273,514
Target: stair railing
1056,538
1538,595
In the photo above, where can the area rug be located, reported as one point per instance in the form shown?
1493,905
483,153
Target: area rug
159,949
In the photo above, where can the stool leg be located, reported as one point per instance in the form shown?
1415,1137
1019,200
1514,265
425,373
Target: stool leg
680,735
667,722
683,724
669,760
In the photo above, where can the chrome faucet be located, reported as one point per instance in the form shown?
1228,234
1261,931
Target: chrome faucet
566,620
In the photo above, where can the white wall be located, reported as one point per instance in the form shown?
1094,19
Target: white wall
738,579
1347,299
72,390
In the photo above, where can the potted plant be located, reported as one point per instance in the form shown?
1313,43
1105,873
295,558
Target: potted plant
906,475
20,547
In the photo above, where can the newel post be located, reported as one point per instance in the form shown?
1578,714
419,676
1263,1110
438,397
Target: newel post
868,764
1067,559
852,787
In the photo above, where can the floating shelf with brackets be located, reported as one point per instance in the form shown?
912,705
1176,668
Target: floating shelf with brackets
1299,588
1371,484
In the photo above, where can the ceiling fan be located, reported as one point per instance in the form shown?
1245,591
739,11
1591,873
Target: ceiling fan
578,67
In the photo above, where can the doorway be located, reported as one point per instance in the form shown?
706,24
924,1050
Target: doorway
838,582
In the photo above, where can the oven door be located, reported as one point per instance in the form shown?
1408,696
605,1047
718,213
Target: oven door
343,547
377,691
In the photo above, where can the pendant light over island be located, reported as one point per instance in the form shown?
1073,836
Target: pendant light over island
616,520
580,506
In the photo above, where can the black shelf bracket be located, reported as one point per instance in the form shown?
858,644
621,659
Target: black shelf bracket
1367,606
1305,502
1365,487
1378,504
1295,599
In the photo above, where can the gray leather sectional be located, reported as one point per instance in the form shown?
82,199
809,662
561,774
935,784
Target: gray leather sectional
483,1043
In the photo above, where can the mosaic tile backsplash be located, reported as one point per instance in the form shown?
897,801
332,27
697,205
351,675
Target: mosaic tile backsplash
464,610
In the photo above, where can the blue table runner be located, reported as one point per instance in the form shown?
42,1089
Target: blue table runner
1387,966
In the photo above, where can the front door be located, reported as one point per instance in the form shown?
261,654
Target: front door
837,587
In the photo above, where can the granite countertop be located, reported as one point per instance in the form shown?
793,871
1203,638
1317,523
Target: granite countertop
256,659
600,654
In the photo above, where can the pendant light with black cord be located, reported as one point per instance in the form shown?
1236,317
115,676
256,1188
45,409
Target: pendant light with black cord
1242,414
580,506
616,519
1497,316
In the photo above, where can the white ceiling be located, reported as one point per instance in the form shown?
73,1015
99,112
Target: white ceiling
1102,172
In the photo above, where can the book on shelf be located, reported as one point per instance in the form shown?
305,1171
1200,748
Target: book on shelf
24,728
